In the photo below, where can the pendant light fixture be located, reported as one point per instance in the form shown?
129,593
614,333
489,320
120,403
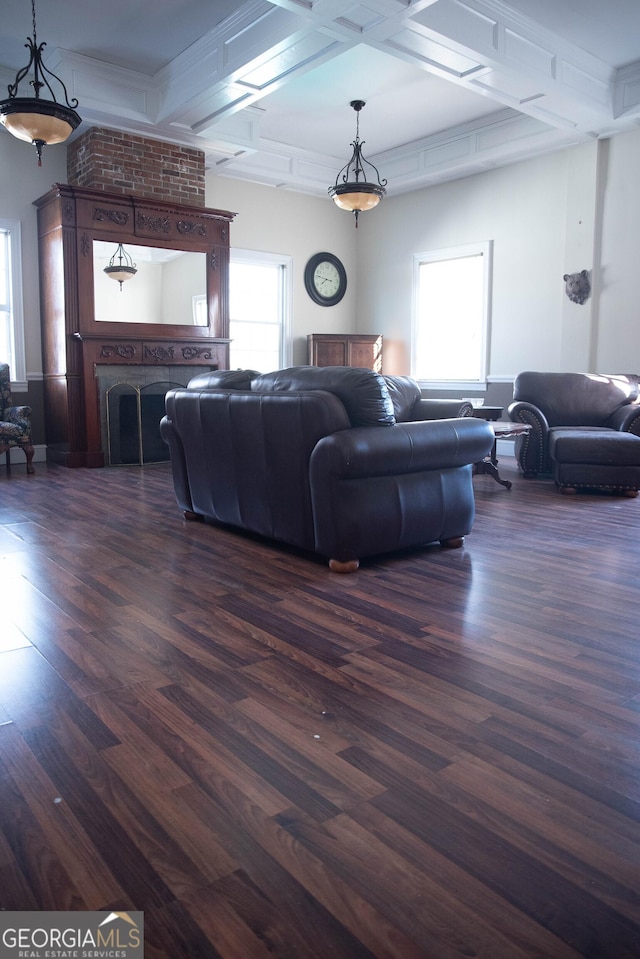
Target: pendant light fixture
36,120
352,191
123,269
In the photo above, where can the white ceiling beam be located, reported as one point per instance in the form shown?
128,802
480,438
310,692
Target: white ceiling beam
547,92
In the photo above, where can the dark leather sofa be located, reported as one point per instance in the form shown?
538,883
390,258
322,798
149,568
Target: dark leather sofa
583,428
335,460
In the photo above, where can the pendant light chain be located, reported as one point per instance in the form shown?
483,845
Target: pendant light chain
349,192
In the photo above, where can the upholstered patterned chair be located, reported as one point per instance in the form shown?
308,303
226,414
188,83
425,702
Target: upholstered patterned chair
15,422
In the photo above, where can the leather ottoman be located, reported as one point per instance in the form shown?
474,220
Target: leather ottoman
595,458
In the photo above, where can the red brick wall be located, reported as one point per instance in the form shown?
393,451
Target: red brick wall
117,162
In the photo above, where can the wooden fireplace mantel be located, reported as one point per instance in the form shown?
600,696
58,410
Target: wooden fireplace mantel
75,343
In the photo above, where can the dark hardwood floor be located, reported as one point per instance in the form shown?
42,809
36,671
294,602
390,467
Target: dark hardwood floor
435,757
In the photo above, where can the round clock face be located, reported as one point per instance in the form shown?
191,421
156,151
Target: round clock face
325,279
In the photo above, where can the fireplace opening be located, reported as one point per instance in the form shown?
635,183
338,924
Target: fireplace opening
133,423
132,398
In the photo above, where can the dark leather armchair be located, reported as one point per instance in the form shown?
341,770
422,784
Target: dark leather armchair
577,401
327,459
15,422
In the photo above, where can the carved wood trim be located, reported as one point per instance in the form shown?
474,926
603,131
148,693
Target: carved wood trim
186,228
119,217
156,224
159,353
123,350
197,352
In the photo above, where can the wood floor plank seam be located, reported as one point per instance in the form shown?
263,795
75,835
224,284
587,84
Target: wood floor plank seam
433,758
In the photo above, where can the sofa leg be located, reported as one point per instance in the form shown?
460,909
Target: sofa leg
350,566
454,543
568,490
189,514
29,452
631,493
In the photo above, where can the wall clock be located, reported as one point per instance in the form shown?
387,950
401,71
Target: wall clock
325,279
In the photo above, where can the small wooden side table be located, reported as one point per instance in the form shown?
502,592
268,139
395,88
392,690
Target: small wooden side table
489,465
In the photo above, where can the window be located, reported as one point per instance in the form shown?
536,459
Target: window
11,317
260,297
199,309
451,315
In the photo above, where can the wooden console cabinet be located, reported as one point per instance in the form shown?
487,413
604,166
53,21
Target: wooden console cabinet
345,349
76,343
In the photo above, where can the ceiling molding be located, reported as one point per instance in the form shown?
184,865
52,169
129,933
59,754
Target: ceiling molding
470,148
547,92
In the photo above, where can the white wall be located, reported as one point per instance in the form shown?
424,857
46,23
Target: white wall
21,182
522,209
617,344
279,221
268,220
577,209
573,210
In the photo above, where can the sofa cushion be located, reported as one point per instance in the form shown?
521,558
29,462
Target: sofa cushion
222,380
363,393
585,445
404,393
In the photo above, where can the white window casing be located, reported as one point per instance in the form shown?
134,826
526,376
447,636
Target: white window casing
451,316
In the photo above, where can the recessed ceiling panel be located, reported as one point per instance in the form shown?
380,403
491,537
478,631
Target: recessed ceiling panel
403,103
607,29
142,36
187,71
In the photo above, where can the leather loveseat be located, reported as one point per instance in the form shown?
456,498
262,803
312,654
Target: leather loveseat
335,460
584,428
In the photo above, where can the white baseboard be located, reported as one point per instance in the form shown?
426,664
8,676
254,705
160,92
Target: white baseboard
504,447
39,456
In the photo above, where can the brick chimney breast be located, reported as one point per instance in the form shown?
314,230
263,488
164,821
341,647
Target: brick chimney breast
117,162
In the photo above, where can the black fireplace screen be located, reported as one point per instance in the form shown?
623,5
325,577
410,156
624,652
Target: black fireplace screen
133,423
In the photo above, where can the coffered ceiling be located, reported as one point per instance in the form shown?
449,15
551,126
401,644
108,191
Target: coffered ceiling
452,87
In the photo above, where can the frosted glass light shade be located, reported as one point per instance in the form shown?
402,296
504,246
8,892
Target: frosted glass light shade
38,121
120,273
359,200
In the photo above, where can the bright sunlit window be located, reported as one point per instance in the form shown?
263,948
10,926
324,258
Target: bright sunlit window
11,317
451,316
260,307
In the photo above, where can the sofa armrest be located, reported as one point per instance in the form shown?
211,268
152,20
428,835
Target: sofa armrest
404,448
377,491
437,409
170,435
17,414
626,419
532,450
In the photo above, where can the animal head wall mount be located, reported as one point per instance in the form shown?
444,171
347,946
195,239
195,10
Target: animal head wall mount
577,286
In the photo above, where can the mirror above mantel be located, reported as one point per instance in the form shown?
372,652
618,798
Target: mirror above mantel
169,287
88,323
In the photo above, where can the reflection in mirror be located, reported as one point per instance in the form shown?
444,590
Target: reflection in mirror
164,290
